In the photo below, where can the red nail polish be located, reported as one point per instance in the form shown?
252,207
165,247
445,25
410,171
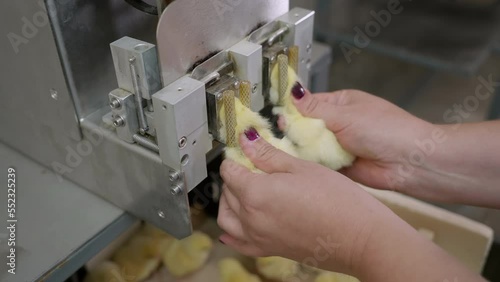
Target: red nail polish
252,134
298,91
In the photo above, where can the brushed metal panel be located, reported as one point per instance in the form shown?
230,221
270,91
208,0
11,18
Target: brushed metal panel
190,30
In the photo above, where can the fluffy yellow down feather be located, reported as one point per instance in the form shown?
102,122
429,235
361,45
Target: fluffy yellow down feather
277,268
246,119
186,256
107,271
312,140
231,270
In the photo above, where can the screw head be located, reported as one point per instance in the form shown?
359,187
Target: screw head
254,88
182,142
176,190
115,103
53,94
309,48
142,131
161,214
118,121
174,176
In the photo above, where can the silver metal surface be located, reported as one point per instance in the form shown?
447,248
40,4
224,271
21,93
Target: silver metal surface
146,143
213,68
30,117
180,110
214,100
145,60
126,112
190,30
301,25
60,225
84,30
132,177
247,58
141,118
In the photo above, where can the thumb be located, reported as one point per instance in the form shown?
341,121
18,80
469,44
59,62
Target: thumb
316,107
265,156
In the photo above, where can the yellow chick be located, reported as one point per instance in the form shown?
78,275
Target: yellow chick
334,277
154,232
105,272
277,268
231,270
151,246
246,119
186,256
133,260
313,141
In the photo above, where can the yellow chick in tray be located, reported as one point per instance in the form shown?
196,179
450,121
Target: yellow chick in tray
312,140
186,256
231,270
106,272
277,268
235,118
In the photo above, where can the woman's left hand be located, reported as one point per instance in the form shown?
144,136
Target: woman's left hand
297,209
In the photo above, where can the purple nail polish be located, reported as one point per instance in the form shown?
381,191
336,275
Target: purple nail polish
252,134
298,91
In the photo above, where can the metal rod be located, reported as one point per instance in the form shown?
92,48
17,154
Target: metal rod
143,124
276,34
283,77
150,106
146,143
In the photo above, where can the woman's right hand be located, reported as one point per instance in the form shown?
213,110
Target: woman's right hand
398,151
379,133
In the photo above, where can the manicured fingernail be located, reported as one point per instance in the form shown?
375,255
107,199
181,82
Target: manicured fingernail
222,242
252,134
298,91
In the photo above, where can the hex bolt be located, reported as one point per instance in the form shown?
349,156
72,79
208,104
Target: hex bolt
115,103
118,121
182,142
174,176
177,190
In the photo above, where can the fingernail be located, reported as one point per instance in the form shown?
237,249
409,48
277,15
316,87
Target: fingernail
222,242
252,134
298,91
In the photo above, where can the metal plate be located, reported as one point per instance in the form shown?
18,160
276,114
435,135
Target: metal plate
84,29
191,30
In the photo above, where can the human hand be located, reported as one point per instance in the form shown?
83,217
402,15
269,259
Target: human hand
311,214
379,133
298,210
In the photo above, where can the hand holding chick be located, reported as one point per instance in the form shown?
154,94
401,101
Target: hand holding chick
313,141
